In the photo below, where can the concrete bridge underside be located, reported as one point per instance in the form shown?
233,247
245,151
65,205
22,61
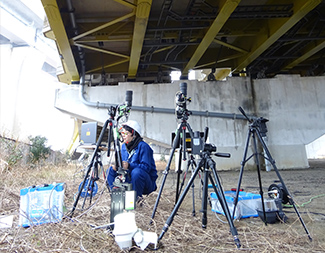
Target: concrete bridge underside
294,106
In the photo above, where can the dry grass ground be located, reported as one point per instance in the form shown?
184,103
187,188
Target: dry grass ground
77,234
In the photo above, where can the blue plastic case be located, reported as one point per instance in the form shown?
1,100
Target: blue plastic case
41,204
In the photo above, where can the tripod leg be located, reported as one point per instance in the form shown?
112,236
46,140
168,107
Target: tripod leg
91,190
291,201
223,201
179,172
193,193
178,204
182,152
184,141
193,200
184,177
166,171
257,160
241,173
205,197
94,177
87,188
81,187
190,164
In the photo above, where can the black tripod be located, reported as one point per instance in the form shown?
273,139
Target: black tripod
179,140
115,113
87,178
206,164
181,131
93,164
258,128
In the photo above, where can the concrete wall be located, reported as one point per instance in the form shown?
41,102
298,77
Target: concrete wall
293,106
26,102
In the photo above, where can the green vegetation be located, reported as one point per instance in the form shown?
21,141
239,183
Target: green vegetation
12,151
38,149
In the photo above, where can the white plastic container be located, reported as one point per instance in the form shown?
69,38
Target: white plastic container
41,204
269,205
246,206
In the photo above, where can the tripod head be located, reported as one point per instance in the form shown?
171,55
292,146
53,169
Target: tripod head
181,100
257,123
120,180
116,112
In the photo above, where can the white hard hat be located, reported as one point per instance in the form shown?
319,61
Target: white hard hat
134,125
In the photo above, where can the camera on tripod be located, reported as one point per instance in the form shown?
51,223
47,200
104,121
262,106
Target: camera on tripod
181,100
261,125
199,145
122,195
120,180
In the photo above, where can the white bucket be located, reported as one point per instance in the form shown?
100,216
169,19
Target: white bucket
124,229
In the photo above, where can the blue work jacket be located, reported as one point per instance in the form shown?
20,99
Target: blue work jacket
142,157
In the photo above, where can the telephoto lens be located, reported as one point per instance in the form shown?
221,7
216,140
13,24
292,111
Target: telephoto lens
128,97
183,88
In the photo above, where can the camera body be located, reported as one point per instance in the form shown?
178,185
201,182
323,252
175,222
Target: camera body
199,146
197,143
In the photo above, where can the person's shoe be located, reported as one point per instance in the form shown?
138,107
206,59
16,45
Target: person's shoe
140,200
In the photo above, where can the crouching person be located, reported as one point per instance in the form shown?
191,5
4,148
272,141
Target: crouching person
137,159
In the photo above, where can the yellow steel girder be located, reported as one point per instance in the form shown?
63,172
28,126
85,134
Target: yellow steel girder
106,37
117,20
140,26
310,50
101,50
225,11
124,61
230,46
58,32
276,29
209,64
138,10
